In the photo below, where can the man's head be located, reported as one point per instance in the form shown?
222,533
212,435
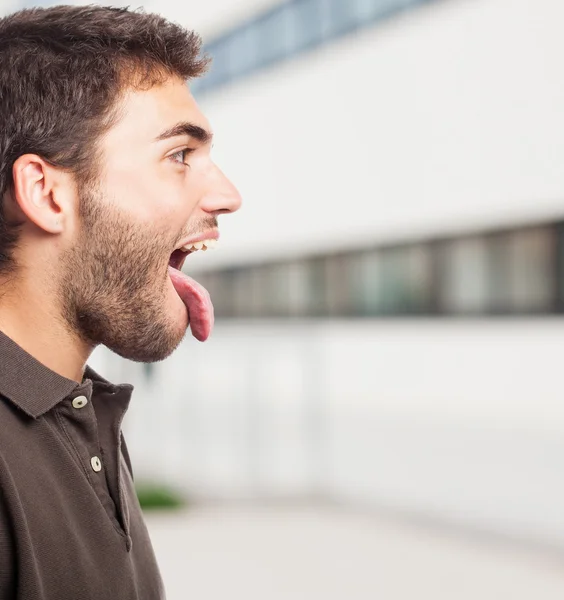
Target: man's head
105,170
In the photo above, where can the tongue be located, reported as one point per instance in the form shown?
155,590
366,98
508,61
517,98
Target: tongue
197,301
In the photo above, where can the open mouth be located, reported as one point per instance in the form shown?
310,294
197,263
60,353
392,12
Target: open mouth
178,257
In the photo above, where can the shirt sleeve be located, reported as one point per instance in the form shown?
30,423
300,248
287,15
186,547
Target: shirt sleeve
8,576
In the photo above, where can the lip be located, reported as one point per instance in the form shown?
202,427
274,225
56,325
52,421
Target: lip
211,234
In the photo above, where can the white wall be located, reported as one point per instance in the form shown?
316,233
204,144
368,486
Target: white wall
449,117
8,6
460,420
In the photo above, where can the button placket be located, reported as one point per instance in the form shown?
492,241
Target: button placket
79,416
81,425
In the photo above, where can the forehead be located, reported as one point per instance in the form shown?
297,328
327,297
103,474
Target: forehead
144,114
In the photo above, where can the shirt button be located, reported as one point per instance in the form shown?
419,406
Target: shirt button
80,401
96,464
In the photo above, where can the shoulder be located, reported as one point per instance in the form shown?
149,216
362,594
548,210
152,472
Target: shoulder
15,425
8,515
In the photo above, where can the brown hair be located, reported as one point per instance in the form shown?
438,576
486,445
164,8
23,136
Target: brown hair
62,71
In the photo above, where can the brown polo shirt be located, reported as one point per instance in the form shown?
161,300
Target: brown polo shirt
70,524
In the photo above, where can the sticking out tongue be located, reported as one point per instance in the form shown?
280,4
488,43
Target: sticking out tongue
197,302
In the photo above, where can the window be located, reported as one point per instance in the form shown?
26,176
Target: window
317,286
286,289
531,270
339,17
464,276
394,281
243,50
340,273
247,291
222,291
299,288
288,29
307,24
275,35
507,272
266,291
219,69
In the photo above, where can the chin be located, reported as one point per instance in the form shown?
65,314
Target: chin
152,341
154,351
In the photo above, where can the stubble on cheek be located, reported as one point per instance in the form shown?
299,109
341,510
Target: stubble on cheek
114,287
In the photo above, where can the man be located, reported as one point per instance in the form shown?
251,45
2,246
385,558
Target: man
106,184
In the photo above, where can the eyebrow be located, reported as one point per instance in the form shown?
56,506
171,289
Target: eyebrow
186,128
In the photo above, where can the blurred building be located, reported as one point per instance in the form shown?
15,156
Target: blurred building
389,299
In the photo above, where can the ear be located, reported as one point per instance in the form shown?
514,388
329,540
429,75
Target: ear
35,184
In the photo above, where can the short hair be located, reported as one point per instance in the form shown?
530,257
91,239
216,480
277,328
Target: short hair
63,70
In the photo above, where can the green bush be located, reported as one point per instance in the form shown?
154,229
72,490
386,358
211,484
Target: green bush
154,495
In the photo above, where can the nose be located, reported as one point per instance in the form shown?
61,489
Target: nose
220,195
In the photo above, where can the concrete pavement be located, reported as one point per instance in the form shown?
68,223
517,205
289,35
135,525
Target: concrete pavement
322,553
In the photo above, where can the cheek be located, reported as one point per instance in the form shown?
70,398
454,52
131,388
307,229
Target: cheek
151,195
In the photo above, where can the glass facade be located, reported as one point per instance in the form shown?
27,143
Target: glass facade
509,272
288,30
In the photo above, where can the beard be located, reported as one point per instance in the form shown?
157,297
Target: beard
114,284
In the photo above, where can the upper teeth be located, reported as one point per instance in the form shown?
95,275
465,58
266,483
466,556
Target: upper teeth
203,245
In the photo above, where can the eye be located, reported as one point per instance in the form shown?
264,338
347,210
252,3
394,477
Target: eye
180,157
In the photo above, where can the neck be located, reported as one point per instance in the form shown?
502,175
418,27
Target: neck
31,319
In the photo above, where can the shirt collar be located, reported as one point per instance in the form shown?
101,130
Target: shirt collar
36,389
